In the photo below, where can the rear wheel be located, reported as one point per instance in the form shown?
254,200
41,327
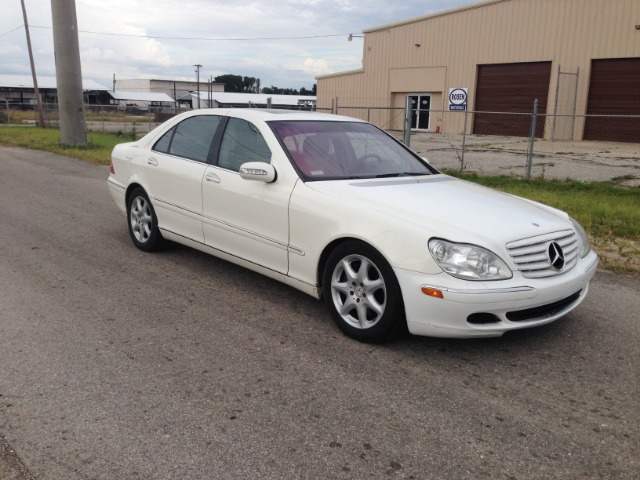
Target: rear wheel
143,223
362,293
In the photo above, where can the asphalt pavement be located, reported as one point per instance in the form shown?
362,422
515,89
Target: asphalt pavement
117,364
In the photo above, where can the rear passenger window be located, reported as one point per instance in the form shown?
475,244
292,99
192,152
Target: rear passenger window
163,144
191,138
242,142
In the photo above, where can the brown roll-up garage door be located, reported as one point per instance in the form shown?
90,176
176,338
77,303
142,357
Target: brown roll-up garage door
614,89
511,87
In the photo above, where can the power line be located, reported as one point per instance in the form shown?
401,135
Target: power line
160,37
11,31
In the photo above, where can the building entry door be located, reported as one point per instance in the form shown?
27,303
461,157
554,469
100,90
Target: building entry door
420,106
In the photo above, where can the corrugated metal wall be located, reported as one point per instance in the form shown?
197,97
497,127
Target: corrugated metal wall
568,33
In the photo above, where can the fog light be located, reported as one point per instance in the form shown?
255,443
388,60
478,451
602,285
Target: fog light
432,292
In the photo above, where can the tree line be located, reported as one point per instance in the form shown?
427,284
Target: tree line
238,83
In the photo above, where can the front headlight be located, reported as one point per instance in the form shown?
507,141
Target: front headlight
583,239
468,262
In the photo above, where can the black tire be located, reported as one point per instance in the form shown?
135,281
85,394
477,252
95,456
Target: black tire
142,221
362,293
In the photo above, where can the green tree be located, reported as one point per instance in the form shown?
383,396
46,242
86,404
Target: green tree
238,83
304,91
272,90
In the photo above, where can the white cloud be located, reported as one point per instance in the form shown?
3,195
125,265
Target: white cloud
316,67
287,62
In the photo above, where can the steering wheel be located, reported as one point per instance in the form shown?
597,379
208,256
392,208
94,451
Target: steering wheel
368,163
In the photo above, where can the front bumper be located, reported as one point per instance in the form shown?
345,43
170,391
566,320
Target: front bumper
489,309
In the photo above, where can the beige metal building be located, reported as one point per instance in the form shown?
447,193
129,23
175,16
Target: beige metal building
173,88
579,58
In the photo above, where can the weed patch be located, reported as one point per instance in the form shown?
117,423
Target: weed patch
98,149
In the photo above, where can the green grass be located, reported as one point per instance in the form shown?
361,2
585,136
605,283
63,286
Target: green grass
606,211
98,149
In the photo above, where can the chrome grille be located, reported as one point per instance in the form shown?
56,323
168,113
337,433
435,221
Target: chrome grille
531,255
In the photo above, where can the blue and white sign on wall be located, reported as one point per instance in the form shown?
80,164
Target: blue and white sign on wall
458,98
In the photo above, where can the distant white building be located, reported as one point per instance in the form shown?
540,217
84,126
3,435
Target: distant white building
171,88
146,93
239,100
19,89
141,100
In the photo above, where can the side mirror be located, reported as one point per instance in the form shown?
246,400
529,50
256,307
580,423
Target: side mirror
259,171
426,160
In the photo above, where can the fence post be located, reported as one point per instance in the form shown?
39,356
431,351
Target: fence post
8,111
336,105
407,123
575,100
534,120
555,107
464,141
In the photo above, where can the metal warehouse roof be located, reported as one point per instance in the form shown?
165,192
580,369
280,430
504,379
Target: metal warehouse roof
258,98
26,81
442,13
141,96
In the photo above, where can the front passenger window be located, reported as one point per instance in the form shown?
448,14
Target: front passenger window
242,142
191,138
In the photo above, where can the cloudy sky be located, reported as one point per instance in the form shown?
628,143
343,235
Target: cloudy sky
285,43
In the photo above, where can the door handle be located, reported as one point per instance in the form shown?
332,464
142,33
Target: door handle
212,177
152,161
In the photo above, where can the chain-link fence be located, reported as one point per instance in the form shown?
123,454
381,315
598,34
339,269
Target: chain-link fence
129,121
132,121
524,145
447,139
537,155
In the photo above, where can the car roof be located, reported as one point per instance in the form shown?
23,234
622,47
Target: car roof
271,115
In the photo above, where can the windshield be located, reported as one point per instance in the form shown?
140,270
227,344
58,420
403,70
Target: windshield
338,150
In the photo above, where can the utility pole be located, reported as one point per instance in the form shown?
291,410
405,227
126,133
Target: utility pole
73,129
41,122
198,67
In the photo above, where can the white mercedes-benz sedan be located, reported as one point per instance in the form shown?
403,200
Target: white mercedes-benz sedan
339,209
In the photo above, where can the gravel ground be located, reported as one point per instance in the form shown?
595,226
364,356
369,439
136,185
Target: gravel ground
492,155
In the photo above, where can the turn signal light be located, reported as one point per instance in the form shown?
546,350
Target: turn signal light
432,292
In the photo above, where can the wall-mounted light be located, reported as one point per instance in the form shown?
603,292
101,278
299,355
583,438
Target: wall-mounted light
418,45
637,27
352,36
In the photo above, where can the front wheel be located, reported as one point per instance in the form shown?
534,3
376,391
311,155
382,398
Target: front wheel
362,293
143,223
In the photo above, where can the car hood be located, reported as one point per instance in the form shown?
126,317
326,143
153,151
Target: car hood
445,206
